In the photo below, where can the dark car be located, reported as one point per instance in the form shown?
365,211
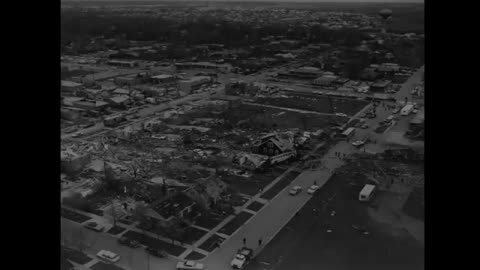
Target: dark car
156,252
129,242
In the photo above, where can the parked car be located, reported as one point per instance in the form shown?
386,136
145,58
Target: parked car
129,242
187,265
295,190
108,256
358,143
241,258
156,252
364,126
312,189
94,226
396,110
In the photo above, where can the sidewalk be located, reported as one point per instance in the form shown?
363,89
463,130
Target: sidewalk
271,218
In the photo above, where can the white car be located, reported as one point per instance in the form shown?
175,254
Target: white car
187,265
312,189
108,256
94,226
358,143
341,114
295,190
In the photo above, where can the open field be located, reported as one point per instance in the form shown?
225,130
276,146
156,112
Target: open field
304,242
319,104
264,119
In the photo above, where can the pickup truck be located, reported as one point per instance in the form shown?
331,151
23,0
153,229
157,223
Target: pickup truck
242,257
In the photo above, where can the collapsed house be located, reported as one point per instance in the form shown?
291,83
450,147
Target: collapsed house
250,161
74,158
278,147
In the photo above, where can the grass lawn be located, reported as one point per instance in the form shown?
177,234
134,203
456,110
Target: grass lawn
280,185
235,223
75,255
208,245
255,206
69,214
194,256
116,230
105,266
156,243
194,234
208,221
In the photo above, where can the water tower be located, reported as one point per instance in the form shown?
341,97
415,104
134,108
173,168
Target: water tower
386,14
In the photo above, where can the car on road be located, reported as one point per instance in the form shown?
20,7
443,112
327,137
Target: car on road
295,190
341,114
358,143
94,226
187,265
312,189
241,258
128,242
108,256
156,252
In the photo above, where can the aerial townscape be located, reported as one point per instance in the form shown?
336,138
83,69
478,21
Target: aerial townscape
252,135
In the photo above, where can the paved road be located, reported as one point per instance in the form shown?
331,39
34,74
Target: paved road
275,214
136,259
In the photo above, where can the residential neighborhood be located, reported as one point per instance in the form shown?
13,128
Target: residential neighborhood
223,135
